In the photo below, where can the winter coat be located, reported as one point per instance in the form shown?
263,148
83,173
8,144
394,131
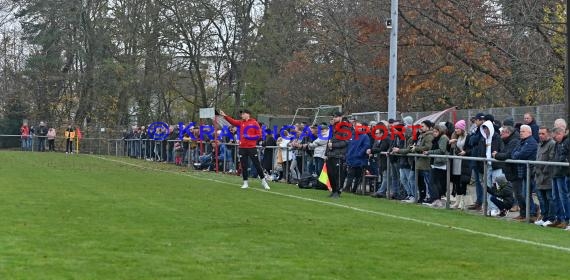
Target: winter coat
543,173
51,134
496,144
439,147
424,143
525,151
249,131
268,153
503,192
378,148
509,169
319,145
42,131
69,133
465,168
340,135
405,162
25,132
561,151
534,128
287,153
356,151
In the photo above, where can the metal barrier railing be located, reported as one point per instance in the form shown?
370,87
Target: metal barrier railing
527,163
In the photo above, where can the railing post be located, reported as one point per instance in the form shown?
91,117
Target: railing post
388,181
484,186
286,165
527,193
447,180
416,178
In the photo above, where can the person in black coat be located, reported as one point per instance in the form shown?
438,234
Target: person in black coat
502,196
381,144
267,162
511,141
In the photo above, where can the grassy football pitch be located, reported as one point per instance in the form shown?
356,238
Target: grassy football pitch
89,217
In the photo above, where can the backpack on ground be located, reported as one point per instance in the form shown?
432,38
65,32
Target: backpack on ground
307,181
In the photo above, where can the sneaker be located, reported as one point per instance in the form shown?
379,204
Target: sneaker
411,199
554,224
264,184
544,223
541,223
495,212
438,204
245,185
567,228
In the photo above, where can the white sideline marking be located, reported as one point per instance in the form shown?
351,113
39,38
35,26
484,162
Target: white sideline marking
360,210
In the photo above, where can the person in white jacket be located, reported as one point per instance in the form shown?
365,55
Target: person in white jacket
319,146
288,158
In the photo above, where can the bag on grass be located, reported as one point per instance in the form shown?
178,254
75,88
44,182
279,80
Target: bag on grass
307,181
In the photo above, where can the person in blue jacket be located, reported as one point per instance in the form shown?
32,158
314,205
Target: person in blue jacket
356,156
525,151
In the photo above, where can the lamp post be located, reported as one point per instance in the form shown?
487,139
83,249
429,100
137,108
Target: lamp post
567,81
393,72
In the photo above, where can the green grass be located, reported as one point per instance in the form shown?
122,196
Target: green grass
82,217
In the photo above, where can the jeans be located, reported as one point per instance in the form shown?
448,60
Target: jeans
310,164
560,195
547,205
319,162
493,174
498,204
519,189
26,144
478,187
394,182
408,180
42,144
424,179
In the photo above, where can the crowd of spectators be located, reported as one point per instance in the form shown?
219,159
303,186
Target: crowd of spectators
392,159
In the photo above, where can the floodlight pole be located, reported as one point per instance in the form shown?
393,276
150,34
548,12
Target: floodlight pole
393,73
566,70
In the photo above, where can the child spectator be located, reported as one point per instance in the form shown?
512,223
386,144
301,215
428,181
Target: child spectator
179,152
502,196
51,139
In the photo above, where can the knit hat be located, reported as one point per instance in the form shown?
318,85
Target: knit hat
408,120
460,124
509,122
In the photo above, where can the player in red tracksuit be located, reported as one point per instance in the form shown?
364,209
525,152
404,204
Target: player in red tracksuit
249,132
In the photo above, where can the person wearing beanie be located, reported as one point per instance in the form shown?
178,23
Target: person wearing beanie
460,125
408,120
460,169
509,122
